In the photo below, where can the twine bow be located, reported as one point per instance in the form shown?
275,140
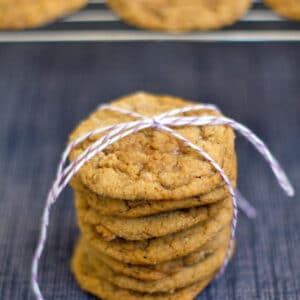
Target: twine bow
163,122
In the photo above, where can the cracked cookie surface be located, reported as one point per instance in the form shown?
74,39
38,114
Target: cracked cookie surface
178,15
152,164
140,208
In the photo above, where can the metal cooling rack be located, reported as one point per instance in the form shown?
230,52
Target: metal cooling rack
97,23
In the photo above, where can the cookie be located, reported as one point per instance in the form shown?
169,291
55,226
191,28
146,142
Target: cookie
140,208
286,8
144,227
20,14
184,277
87,278
180,15
159,271
152,164
165,248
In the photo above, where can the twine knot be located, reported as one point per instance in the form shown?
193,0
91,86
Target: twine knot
156,123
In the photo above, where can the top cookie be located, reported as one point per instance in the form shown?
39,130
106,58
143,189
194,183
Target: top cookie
20,14
152,164
178,15
287,8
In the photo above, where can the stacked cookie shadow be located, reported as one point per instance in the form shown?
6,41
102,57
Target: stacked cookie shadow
158,247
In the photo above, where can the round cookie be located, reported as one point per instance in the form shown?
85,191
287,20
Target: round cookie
20,14
140,208
184,277
157,250
87,278
152,164
143,228
180,15
159,271
287,8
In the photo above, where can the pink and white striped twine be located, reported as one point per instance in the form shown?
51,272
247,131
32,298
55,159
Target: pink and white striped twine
160,122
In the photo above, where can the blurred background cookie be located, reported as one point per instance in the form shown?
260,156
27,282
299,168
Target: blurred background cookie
21,14
180,15
287,8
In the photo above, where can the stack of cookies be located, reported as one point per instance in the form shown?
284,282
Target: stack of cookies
154,215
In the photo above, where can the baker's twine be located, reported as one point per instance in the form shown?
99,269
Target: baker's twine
164,122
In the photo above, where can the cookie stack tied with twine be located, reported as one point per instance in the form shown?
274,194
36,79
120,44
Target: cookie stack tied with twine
154,180
155,216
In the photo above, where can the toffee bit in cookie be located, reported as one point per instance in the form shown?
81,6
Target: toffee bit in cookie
105,233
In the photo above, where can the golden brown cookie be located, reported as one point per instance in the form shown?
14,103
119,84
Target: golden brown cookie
143,227
159,271
184,277
152,164
87,278
287,8
161,249
141,208
20,14
178,15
